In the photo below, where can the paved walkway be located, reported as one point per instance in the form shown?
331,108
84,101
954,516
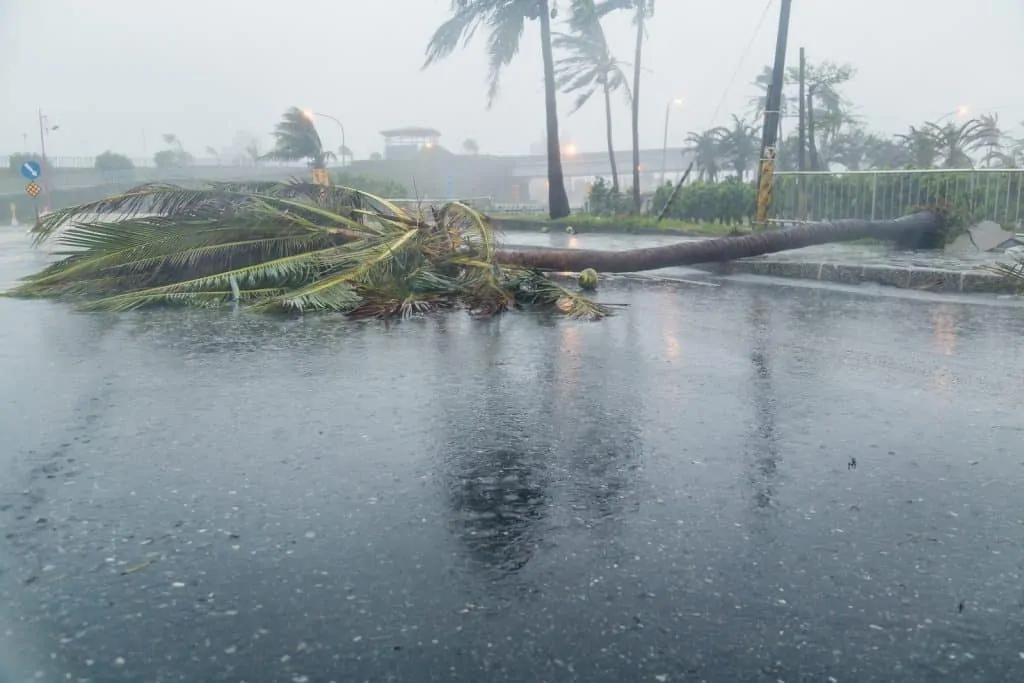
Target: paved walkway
843,263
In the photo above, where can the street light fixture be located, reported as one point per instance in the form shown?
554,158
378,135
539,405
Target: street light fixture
44,129
675,102
309,114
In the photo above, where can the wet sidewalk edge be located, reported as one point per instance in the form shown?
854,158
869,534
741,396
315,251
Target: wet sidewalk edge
905,277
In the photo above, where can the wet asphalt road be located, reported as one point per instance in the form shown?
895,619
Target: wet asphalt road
745,482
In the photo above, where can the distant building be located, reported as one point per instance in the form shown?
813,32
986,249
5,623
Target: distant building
406,143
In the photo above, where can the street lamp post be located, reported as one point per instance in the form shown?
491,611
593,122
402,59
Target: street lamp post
664,144
309,113
44,129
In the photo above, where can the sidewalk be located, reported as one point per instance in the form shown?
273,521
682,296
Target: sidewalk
855,263
840,263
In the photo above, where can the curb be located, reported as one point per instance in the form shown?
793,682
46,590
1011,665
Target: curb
910,277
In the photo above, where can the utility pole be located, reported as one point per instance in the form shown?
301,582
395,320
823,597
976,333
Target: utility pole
802,141
664,143
802,163
812,146
770,134
43,130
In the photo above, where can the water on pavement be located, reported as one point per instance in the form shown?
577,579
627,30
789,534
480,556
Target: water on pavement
732,483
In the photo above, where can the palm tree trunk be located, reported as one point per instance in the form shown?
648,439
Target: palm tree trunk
812,145
909,230
640,12
611,141
558,200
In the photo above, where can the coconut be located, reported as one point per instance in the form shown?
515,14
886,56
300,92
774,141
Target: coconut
588,279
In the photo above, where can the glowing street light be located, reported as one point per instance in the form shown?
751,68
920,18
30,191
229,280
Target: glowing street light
309,114
569,150
960,112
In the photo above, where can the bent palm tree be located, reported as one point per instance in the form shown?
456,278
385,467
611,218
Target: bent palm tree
589,66
297,139
506,21
956,143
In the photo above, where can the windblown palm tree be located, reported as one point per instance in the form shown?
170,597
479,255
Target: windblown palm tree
588,66
642,10
344,152
706,149
297,139
955,143
920,148
760,101
506,21
738,145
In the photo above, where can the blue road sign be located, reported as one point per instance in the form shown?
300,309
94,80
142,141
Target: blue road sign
31,170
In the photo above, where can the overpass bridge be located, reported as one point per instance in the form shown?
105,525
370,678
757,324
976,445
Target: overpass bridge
78,172
593,164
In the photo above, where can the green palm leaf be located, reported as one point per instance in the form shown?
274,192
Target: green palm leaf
289,247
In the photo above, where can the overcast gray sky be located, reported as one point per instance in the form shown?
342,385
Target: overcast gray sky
107,70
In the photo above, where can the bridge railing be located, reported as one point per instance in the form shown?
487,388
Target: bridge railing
977,194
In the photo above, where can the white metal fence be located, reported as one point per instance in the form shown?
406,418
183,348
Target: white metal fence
977,194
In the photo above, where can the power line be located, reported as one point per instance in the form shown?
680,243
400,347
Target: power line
743,58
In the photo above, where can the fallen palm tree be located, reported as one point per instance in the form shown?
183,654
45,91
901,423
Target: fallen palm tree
302,247
910,230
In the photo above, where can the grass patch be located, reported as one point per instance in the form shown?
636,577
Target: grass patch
635,225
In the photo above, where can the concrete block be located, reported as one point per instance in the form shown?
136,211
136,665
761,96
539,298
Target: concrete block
848,274
892,276
934,280
988,235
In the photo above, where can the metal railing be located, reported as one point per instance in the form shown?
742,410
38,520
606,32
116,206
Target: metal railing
977,194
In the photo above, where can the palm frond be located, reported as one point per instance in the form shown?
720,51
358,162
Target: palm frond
288,247
1012,272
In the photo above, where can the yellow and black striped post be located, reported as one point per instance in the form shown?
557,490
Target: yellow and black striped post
320,177
765,180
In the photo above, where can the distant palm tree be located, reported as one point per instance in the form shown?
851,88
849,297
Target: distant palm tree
995,142
588,67
920,148
296,138
345,153
738,145
642,10
470,146
955,143
884,153
505,21
172,139
253,150
760,101
214,154
706,149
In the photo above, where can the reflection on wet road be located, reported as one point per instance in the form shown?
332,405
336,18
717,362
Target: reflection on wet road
742,483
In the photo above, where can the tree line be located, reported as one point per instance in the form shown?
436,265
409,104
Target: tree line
581,62
837,138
